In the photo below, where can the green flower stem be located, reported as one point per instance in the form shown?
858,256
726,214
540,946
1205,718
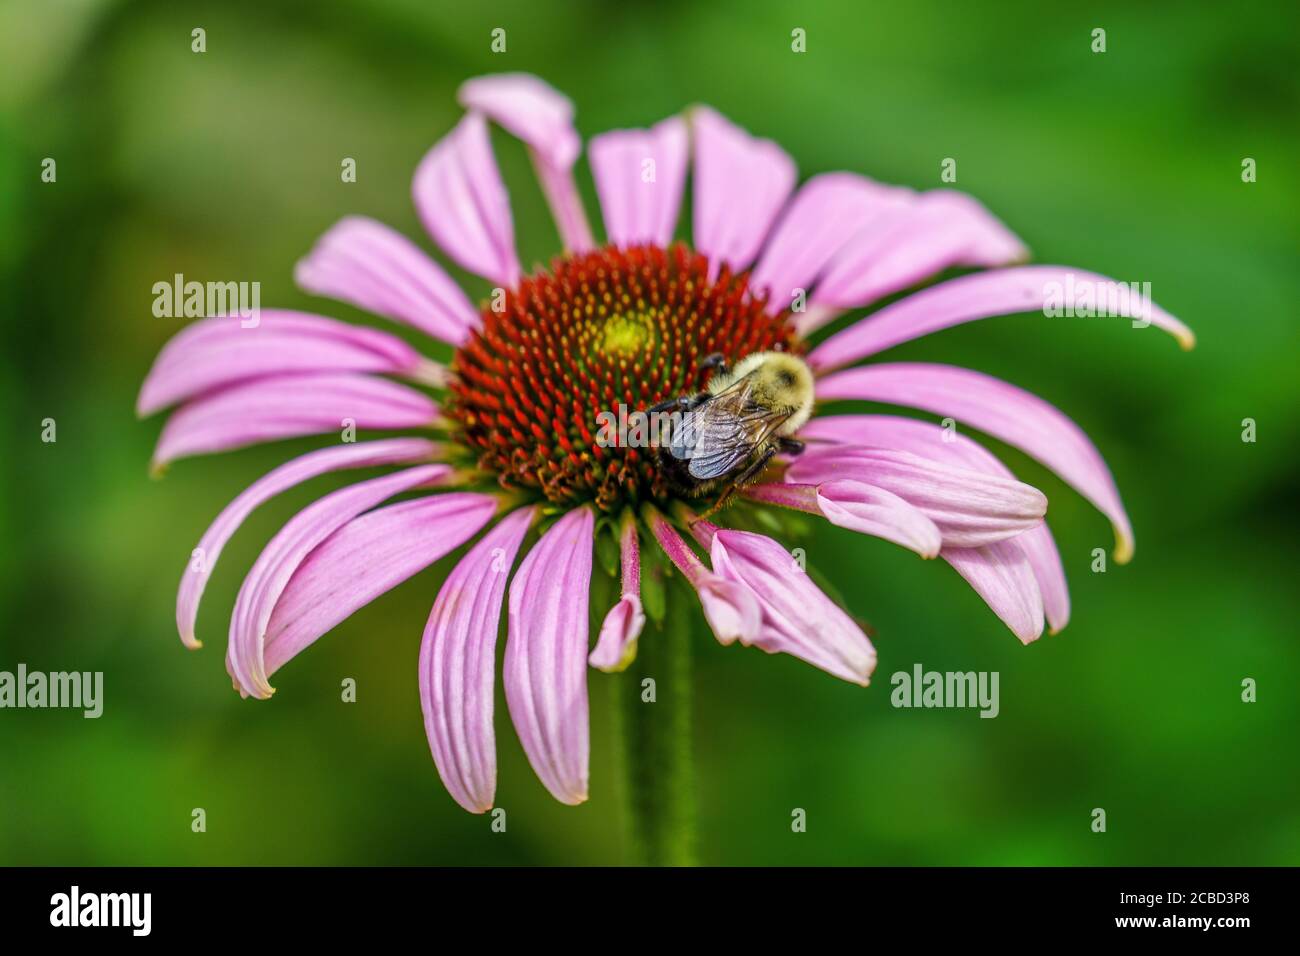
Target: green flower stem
653,720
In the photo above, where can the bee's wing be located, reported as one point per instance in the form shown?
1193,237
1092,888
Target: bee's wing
718,435
688,430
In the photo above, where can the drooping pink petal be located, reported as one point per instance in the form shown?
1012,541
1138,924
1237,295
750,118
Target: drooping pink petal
276,565
288,406
979,296
213,353
741,183
364,559
542,117
858,507
363,455
938,230
1000,573
546,655
463,203
946,445
921,438
1004,411
367,264
824,215
1045,561
616,644
639,178
530,108
561,192
970,508
731,610
797,617
458,661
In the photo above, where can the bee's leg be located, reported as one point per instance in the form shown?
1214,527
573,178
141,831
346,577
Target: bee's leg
717,361
671,405
742,479
790,446
683,403
752,472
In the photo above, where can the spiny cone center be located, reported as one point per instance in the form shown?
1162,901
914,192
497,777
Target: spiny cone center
603,329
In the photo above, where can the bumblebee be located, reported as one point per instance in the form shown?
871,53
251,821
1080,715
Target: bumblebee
725,436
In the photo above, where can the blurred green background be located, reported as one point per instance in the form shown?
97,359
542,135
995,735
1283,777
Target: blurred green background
225,165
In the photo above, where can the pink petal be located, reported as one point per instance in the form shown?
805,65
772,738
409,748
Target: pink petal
542,117
1004,411
616,645
279,560
921,438
968,299
732,611
366,558
561,192
1045,561
637,211
824,215
531,109
798,619
931,441
935,231
364,455
858,507
970,508
288,406
1000,573
546,655
457,662
367,264
463,203
213,353
741,183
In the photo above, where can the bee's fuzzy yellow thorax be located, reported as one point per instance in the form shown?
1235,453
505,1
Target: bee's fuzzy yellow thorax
776,380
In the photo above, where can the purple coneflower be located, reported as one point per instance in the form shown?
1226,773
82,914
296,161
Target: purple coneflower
514,454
